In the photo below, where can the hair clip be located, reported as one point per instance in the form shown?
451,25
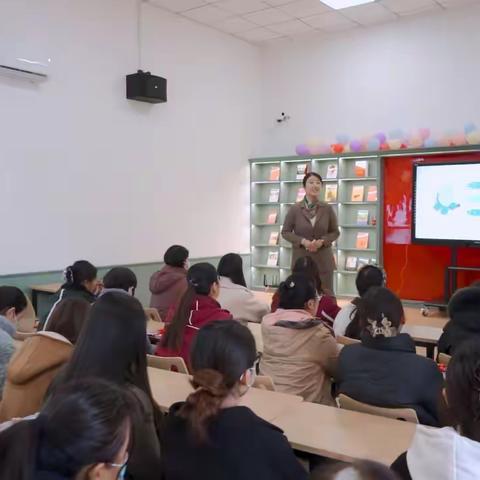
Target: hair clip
291,284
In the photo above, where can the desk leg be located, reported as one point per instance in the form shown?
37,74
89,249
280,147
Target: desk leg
430,350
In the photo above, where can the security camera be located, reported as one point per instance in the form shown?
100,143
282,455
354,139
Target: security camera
283,118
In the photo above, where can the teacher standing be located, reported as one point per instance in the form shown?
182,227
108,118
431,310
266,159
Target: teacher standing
311,227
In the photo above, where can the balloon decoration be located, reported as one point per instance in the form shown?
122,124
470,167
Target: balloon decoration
395,139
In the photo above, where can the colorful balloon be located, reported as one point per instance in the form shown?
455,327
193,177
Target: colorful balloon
469,128
430,143
373,144
424,133
302,150
342,139
381,137
395,143
337,148
355,145
473,138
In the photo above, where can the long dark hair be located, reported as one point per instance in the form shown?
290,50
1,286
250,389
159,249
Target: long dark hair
68,318
112,344
84,423
306,266
231,266
78,273
295,292
367,277
222,351
463,387
12,297
200,278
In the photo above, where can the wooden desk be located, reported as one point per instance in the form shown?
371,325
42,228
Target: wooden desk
49,289
345,435
170,387
424,336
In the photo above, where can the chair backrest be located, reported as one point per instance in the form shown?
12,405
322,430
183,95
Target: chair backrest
152,314
21,336
264,382
173,364
342,340
405,414
444,359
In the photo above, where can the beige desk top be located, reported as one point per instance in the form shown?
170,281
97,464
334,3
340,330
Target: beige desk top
421,333
46,288
170,387
345,435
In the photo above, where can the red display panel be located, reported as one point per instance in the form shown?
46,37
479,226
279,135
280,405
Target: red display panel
416,272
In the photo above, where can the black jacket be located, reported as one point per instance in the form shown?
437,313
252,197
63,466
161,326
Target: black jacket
455,333
241,446
386,372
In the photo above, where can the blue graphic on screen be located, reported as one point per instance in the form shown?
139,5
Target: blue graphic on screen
445,200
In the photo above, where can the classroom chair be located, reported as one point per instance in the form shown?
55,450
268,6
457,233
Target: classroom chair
405,414
444,359
172,364
264,382
342,340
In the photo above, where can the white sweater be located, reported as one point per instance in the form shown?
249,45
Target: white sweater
241,302
343,319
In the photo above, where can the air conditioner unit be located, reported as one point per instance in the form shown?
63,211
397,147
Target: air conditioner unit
26,68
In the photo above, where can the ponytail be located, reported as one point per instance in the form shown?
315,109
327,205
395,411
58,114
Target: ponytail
205,402
81,271
18,449
173,337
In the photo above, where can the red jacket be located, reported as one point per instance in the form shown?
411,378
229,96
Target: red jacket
327,307
204,310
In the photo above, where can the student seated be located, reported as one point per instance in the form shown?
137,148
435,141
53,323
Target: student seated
359,470
299,351
384,369
347,322
83,432
120,279
112,347
197,307
450,453
80,282
464,323
234,294
210,436
39,359
170,283
12,304
327,304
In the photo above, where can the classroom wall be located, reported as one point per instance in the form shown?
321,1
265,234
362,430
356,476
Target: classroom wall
416,72
86,173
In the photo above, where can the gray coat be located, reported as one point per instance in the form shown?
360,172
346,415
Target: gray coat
7,348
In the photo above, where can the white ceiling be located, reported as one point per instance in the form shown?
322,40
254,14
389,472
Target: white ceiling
257,21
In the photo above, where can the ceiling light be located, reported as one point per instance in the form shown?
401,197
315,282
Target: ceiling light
339,4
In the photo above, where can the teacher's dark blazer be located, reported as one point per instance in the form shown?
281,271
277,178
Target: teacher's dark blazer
297,226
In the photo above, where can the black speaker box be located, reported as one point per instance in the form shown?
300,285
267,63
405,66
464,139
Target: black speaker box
145,87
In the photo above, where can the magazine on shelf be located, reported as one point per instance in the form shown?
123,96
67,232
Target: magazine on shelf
330,193
361,168
275,174
372,193
332,171
302,170
351,264
274,195
362,261
272,218
362,240
362,217
273,240
300,194
357,193
272,260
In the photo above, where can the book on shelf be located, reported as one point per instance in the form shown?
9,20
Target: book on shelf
275,174
332,170
362,261
330,193
300,194
372,193
272,218
362,240
302,170
273,239
361,168
351,264
274,195
373,261
272,260
357,193
362,217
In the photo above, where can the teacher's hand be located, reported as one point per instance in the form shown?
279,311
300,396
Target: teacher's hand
319,243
